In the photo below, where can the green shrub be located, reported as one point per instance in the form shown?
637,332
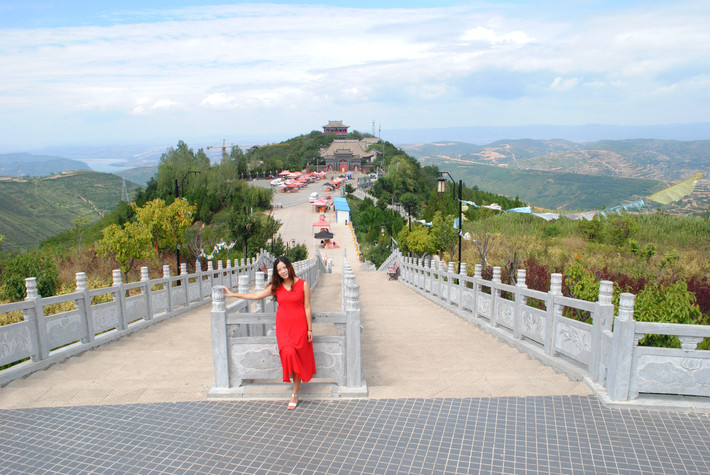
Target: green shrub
18,267
666,303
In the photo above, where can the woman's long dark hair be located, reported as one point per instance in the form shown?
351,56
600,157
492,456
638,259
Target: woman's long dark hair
276,280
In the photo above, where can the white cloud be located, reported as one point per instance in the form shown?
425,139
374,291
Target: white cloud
489,36
416,65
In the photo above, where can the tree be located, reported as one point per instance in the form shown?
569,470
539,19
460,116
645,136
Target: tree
18,267
165,224
446,237
126,244
174,165
242,225
80,225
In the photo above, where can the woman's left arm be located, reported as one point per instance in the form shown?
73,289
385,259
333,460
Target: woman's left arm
307,307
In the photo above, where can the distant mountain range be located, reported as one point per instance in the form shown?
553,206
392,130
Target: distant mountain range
14,164
572,133
564,175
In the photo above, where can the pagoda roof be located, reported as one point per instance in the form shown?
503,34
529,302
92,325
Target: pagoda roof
336,123
356,147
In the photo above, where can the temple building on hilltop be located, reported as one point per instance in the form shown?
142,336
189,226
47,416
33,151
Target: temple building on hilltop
348,155
336,127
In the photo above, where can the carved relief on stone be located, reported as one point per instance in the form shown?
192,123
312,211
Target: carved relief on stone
573,341
533,325
105,316
484,305
505,313
672,374
467,300
64,329
15,342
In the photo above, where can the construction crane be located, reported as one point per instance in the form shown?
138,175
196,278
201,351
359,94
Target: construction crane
223,147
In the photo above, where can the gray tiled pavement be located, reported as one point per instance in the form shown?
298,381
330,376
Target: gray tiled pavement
550,434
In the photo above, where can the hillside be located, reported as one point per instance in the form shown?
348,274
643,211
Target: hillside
572,167
37,165
34,209
139,176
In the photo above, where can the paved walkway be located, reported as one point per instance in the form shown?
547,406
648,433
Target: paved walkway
445,397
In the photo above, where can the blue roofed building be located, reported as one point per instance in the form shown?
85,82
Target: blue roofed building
342,210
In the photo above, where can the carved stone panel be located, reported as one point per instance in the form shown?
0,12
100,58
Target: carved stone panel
135,307
467,300
159,301
573,341
676,374
484,305
64,328
105,316
15,342
533,324
505,313
178,294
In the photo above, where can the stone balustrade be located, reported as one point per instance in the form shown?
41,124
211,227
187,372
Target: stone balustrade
605,353
98,316
244,339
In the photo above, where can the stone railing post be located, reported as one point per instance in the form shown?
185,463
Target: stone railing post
601,334
461,286
83,305
198,279
119,296
147,293
477,277
622,346
495,295
353,359
168,287
520,301
35,315
554,311
210,273
450,281
220,351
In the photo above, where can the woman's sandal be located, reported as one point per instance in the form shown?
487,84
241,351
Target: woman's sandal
292,405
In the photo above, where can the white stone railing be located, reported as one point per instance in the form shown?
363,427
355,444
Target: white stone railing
43,340
244,338
605,353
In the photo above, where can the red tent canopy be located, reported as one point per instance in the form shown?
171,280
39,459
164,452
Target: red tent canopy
285,172
322,223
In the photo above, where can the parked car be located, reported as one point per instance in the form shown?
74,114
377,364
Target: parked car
277,182
314,197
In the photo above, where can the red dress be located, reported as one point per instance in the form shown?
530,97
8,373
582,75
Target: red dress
291,333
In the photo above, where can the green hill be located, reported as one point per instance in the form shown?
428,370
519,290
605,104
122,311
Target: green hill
553,190
35,209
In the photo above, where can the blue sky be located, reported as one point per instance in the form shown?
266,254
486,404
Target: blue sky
83,72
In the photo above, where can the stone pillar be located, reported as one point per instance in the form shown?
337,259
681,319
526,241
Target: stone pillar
147,293
450,281
220,351
353,350
622,347
168,288
83,306
35,315
477,277
520,301
554,311
601,334
183,268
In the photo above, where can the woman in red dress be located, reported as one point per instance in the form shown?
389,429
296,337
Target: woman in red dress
294,327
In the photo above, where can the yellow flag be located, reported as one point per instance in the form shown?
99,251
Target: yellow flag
675,192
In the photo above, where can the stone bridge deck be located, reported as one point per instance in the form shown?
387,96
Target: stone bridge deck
444,397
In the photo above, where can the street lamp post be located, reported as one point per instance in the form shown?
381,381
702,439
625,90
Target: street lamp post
441,189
